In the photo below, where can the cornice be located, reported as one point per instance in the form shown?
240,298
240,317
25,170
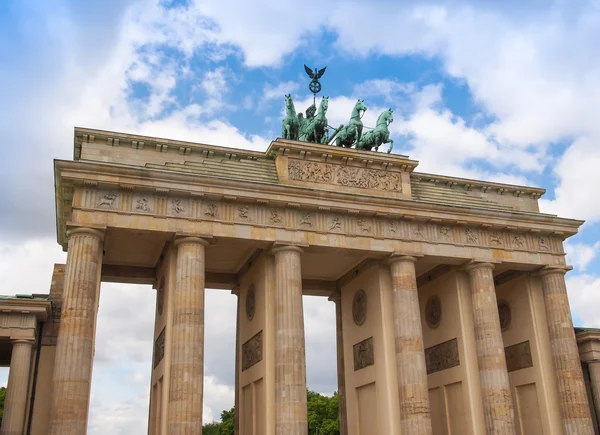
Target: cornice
469,184
41,309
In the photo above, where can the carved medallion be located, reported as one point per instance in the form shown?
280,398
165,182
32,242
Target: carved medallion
159,348
251,302
433,312
504,314
442,356
363,354
518,356
359,307
160,296
252,352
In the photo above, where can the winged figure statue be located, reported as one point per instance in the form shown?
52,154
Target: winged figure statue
314,85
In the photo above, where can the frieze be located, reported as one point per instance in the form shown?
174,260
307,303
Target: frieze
349,176
159,348
364,355
252,351
518,356
442,356
163,205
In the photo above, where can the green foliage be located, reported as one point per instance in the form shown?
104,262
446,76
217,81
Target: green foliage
227,422
322,417
322,414
211,428
2,397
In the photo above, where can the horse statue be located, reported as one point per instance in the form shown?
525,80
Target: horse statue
290,124
380,135
316,129
350,134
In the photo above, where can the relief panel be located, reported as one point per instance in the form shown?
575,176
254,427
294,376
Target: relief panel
442,356
518,356
252,351
159,348
364,355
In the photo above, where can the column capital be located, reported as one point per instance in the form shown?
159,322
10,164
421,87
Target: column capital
280,247
191,240
474,265
548,270
29,341
98,232
395,257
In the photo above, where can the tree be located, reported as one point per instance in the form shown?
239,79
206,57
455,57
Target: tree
2,397
322,417
322,414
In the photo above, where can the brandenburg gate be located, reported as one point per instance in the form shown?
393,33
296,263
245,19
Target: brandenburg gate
451,307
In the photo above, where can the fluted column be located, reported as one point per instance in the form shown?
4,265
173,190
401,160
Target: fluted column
236,421
415,412
341,366
290,358
15,403
573,400
186,383
495,387
594,368
72,375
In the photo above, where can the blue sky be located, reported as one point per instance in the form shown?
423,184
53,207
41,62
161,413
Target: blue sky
503,91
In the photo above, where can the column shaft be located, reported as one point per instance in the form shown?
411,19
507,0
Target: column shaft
290,358
15,403
236,422
574,404
75,342
415,412
187,339
493,375
594,367
341,366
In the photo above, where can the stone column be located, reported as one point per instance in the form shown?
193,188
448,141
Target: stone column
415,413
72,375
495,387
572,395
594,368
237,365
15,403
290,358
187,339
341,367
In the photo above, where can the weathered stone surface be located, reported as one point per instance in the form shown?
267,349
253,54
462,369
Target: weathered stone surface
15,403
75,343
518,356
571,387
415,412
493,375
252,351
363,354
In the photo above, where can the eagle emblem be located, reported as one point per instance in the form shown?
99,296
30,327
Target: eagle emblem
314,85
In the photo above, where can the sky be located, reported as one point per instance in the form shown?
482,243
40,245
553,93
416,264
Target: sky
501,91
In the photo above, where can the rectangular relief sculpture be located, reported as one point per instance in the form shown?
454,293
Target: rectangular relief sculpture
442,356
363,354
252,352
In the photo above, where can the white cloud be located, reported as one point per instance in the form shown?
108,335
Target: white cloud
277,92
580,255
584,298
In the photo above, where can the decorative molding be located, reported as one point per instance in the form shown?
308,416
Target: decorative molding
159,348
252,351
164,204
433,311
349,176
364,355
518,356
251,302
504,313
442,356
359,307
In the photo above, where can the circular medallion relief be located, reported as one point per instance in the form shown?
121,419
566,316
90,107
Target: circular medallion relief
160,296
504,314
251,302
359,307
433,312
